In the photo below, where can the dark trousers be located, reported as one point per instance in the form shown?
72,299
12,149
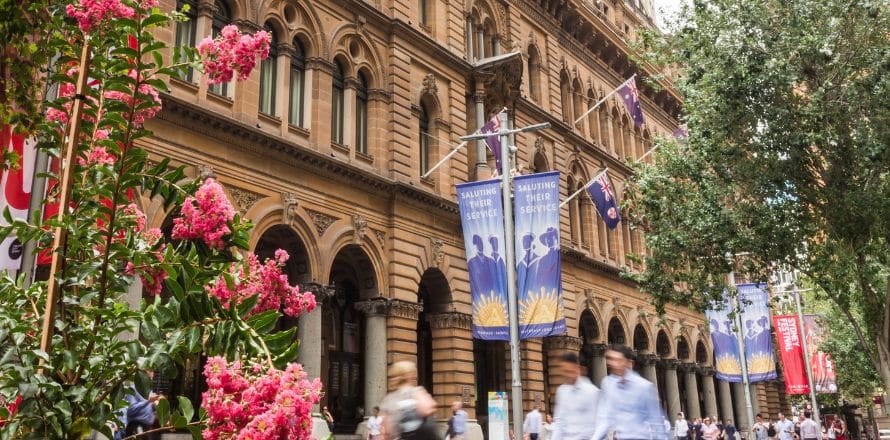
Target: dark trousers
533,436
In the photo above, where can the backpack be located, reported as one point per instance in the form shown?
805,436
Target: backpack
771,431
411,425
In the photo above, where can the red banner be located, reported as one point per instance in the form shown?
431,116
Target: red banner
788,336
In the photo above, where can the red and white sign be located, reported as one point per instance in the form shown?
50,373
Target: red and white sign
791,350
15,191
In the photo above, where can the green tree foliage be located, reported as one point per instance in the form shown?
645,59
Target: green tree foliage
787,161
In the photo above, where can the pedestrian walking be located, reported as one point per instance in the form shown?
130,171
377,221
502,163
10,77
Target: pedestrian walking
760,428
576,402
628,405
457,424
729,430
719,425
709,429
784,428
809,430
532,425
328,418
375,426
547,428
681,428
696,430
408,411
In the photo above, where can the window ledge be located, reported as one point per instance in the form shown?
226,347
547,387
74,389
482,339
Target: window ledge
427,28
339,147
185,84
364,157
269,118
298,130
224,100
428,181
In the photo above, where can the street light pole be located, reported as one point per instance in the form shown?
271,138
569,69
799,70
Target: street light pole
806,352
512,300
749,408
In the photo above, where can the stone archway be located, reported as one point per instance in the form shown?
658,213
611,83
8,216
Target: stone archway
616,334
434,297
283,237
592,350
345,366
641,347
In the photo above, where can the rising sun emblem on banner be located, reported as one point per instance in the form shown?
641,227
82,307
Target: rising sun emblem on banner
490,311
539,307
729,365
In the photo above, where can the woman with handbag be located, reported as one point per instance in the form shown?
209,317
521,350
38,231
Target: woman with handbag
409,411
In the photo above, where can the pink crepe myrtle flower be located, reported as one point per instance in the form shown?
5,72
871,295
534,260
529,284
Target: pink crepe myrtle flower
232,52
205,216
92,13
251,402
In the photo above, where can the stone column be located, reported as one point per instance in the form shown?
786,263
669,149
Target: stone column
741,412
726,410
710,396
600,371
482,171
309,332
375,311
693,409
469,37
672,388
649,371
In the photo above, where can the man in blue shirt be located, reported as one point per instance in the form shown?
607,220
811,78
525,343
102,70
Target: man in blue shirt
784,428
458,421
628,405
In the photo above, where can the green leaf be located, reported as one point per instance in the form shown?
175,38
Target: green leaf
263,322
287,356
185,406
247,305
163,411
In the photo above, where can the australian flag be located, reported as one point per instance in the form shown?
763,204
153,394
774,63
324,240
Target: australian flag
603,197
493,142
631,98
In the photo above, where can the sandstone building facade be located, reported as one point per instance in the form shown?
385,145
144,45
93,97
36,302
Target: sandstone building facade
323,149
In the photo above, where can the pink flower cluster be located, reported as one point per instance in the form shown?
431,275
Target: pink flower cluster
267,281
243,402
205,216
91,13
151,273
66,90
230,52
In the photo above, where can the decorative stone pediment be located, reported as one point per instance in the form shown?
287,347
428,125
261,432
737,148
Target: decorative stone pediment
381,237
451,320
321,221
404,309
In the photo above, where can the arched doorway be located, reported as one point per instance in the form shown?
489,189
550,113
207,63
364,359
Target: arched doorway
663,350
683,384
616,332
641,345
490,362
588,330
343,337
434,296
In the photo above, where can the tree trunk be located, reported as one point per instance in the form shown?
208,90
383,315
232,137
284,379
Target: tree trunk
884,342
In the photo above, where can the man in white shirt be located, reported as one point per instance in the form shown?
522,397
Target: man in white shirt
532,424
784,428
809,430
375,425
681,428
576,402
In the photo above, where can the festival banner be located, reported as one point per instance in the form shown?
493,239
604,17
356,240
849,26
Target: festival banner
727,361
791,351
15,191
539,284
754,302
482,219
822,366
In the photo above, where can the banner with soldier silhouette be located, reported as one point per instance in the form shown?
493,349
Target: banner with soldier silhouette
757,332
482,220
539,285
727,360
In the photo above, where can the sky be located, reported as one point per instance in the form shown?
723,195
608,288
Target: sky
666,9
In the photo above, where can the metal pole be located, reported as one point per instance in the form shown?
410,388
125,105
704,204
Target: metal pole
603,100
61,233
515,365
806,353
749,408
575,194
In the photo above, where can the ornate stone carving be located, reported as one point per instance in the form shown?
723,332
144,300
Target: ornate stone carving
562,343
359,224
381,236
205,171
404,309
451,320
290,204
321,221
429,85
670,364
437,248
706,371
687,367
373,307
322,293
597,349
244,198
647,359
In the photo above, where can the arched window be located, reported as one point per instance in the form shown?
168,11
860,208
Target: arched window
297,81
578,99
185,32
361,115
592,119
424,139
268,77
221,18
616,132
423,12
574,218
534,64
337,104
604,127
566,94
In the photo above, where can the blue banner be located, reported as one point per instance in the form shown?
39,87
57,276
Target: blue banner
482,219
539,285
727,361
756,331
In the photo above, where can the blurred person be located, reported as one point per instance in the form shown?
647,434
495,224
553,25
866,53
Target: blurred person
457,424
375,425
681,428
709,430
628,406
408,411
532,425
809,430
577,400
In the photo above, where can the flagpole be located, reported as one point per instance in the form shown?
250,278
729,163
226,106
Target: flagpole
749,408
454,151
806,352
567,200
604,99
